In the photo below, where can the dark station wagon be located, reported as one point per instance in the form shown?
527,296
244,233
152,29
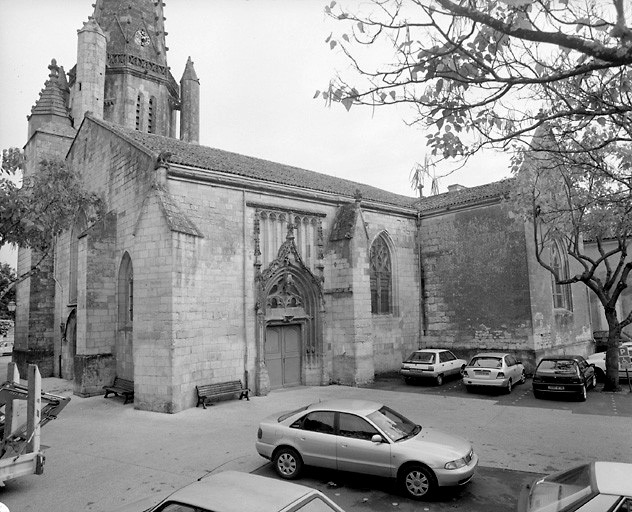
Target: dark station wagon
563,375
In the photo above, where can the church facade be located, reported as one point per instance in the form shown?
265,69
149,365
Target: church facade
212,266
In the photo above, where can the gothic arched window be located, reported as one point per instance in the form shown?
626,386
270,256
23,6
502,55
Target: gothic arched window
562,296
126,292
381,277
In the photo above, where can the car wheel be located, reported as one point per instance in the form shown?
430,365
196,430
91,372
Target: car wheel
583,394
417,482
537,394
601,376
509,387
523,378
439,379
462,371
408,380
469,389
287,463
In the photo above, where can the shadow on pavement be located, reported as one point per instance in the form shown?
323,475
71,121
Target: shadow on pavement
491,490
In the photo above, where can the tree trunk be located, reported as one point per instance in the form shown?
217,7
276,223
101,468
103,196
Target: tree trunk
612,352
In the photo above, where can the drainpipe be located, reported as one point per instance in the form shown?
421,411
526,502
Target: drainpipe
245,290
422,283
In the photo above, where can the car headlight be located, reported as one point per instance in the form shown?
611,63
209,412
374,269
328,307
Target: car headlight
456,464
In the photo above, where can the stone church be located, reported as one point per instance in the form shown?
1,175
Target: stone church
212,266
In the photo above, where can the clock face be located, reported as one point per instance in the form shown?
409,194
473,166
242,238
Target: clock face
141,37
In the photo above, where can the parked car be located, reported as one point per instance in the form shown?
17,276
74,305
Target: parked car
232,491
598,360
563,375
431,363
493,369
366,437
597,486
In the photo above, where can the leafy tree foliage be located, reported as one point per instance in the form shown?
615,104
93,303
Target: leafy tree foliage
487,73
574,204
34,213
492,74
7,277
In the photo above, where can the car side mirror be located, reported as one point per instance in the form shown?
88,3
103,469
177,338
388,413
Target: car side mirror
377,439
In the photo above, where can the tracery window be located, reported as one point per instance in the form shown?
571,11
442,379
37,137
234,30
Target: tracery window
562,295
381,270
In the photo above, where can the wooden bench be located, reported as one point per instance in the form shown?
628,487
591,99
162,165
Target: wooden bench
121,387
221,389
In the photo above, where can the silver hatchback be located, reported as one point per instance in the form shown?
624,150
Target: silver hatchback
365,437
493,369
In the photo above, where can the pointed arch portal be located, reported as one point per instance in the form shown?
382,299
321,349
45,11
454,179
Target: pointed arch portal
289,310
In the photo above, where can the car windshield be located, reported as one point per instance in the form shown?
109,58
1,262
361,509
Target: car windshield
561,492
393,424
422,357
558,366
486,362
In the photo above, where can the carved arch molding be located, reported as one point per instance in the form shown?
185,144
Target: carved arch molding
288,291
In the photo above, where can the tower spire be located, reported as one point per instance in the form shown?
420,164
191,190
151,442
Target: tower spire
190,110
140,91
51,104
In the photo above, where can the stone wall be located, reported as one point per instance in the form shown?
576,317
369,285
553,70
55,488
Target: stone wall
477,293
36,329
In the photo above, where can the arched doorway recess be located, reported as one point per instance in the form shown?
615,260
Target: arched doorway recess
289,316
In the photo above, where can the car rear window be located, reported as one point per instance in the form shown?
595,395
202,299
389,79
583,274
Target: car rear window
558,366
422,357
561,492
286,415
486,362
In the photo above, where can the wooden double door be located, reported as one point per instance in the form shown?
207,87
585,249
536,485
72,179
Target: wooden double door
283,355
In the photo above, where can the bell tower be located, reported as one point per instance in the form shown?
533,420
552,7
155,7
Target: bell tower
140,92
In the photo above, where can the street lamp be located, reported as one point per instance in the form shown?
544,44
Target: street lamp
11,306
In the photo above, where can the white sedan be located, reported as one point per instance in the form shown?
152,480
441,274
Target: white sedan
365,437
431,363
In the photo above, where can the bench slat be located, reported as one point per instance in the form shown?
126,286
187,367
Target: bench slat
122,387
206,392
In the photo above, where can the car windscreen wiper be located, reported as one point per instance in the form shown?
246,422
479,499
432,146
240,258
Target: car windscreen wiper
412,433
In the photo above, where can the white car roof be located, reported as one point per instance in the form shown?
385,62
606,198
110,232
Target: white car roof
347,405
232,491
614,478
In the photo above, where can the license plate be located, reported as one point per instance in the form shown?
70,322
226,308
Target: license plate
556,388
481,372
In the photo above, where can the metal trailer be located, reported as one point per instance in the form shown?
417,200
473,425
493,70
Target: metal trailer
20,452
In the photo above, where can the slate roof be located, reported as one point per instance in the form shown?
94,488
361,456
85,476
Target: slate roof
207,158
465,196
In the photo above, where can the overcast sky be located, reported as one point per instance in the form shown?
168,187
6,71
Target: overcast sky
259,63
